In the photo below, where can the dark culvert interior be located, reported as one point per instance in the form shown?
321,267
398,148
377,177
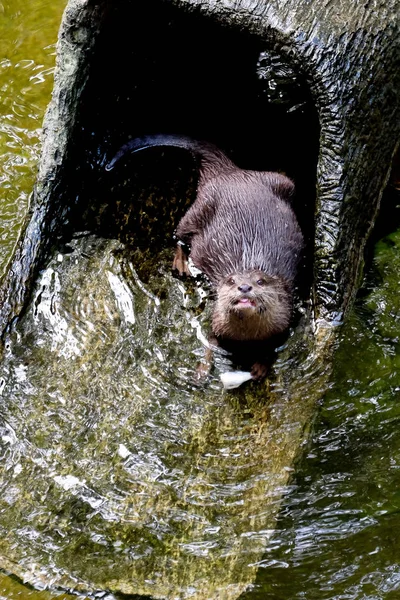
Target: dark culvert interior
159,68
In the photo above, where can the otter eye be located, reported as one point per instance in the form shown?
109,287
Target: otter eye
261,282
230,281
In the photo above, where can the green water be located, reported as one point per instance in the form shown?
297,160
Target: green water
28,31
85,503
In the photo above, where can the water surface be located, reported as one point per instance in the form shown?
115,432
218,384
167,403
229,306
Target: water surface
28,31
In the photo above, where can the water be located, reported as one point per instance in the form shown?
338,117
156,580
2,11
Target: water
28,31
114,452
121,472
338,531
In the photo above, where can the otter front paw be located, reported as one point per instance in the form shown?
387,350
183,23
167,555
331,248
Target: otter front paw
180,262
259,371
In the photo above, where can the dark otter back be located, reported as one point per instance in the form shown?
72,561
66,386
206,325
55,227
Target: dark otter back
252,227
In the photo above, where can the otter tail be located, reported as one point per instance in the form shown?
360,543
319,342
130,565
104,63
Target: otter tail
212,160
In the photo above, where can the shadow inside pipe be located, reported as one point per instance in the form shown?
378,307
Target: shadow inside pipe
159,69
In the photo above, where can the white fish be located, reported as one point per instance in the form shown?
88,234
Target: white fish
233,379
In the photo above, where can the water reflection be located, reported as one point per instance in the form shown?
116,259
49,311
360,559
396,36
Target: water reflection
121,471
27,50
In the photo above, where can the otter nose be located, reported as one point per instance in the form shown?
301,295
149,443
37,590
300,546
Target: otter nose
245,288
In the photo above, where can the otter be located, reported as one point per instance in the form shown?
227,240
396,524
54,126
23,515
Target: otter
244,236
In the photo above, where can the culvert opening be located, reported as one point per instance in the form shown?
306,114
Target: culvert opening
160,68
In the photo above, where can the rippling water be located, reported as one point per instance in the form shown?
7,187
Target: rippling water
118,467
339,527
122,471
28,31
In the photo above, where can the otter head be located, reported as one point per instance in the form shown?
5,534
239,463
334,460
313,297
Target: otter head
251,306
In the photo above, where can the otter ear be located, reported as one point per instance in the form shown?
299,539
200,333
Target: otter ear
281,185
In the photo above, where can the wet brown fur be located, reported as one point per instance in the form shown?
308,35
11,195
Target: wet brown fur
266,312
242,229
243,235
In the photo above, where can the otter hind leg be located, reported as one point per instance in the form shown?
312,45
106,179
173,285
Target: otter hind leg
259,371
